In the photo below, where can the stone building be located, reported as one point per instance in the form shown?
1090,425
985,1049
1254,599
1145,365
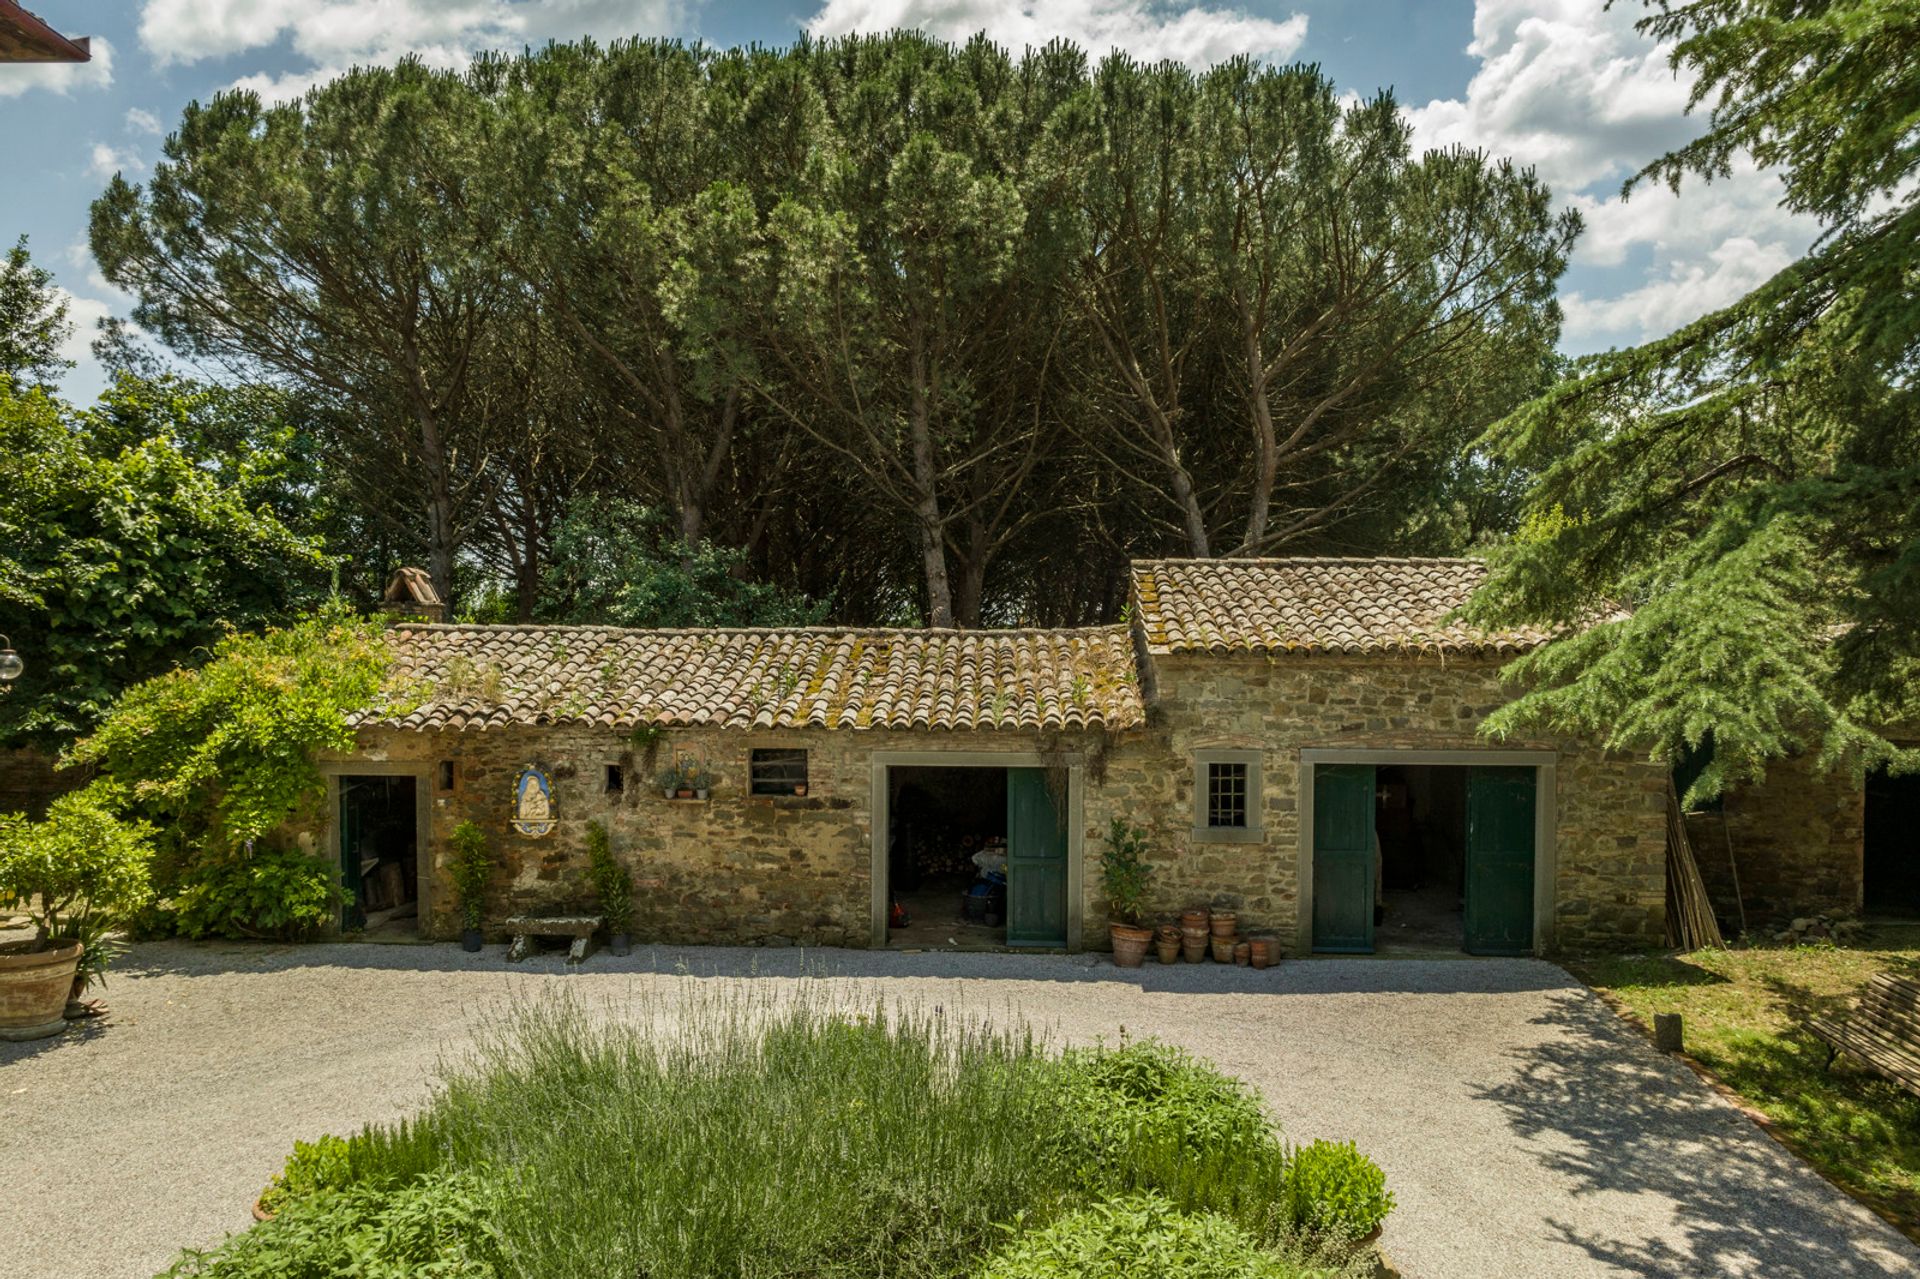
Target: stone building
1299,741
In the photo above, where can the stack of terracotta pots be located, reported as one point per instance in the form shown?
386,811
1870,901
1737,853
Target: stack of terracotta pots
1193,934
1166,943
1225,935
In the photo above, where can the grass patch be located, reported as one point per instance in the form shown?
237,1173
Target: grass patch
1745,1010
741,1134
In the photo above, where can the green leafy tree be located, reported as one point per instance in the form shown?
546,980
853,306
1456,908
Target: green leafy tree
1746,490
128,541
615,563
33,320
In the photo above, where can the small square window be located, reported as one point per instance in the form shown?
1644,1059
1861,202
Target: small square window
1227,796
777,772
616,779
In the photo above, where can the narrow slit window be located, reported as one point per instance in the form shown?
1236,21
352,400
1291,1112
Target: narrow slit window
446,774
616,779
1227,796
778,772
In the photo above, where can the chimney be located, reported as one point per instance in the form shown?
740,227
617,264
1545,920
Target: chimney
410,597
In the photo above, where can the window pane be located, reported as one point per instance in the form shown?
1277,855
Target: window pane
1227,795
777,772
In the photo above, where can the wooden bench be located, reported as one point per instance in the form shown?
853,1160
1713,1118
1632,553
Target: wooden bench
1882,1031
524,928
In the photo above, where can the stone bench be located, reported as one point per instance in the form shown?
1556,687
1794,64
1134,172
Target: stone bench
524,928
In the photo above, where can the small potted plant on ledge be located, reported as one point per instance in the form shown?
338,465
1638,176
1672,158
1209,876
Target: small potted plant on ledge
668,780
1124,873
469,868
613,885
78,875
702,783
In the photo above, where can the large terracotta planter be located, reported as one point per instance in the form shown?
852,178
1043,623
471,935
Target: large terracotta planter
34,985
1129,944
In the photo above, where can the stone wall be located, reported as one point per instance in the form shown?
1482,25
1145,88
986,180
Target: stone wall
734,868
1610,831
1796,845
29,782
743,869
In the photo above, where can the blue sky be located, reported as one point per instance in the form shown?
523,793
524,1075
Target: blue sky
1563,85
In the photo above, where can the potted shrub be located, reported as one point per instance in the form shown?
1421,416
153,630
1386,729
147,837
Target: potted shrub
702,783
1124,873
613,885
470,866
668,780
78,875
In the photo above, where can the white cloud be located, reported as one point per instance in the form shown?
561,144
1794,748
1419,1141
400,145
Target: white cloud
1683,291
342,33
85,314
60,77
1566,86
1702,216
104,161
139,121
1149,29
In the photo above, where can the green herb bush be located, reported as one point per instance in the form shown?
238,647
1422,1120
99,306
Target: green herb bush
470,866
1112,1113
612,883
324,1163
435,1227
1146,1235
1124,871
725,1132
80,873
1333,1191
270,893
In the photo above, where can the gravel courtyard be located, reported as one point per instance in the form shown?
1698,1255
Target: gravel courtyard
1524,1129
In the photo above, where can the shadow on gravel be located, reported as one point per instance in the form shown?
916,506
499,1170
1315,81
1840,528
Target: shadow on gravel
1292,977
1602,1108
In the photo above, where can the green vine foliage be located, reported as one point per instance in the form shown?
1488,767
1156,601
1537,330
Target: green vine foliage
277,893
225,753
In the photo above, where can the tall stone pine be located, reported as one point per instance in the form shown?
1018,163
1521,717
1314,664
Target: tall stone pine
33,321
328,241
1297,316
1749,486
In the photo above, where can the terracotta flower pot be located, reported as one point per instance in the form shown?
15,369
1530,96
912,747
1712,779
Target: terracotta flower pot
1243,954
1261,953
1169,951
34,984
1223,950
1224,923
1192,950
1129,944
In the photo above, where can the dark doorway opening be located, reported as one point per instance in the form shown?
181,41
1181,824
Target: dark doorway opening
1891,853
947,857
1420,816
379,854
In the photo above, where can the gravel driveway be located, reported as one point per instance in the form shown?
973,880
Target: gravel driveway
1524,1129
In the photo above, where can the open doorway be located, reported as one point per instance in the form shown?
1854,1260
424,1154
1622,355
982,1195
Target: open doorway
1890,869
379,855
947,857
1420,818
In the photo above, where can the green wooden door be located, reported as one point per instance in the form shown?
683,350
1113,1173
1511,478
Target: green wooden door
351,824
1500,826
1036,863
1343,858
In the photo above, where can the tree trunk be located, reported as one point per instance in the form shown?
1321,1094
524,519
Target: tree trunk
1266,446
926,505
973,575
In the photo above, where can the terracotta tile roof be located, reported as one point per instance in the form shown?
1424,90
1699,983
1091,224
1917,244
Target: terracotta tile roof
478,677
1314,606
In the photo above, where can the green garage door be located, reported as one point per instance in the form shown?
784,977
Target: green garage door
1343,858
1036,863
1500,826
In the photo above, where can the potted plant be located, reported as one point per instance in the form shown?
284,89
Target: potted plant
470,866
78,875
702,783
668,780
1124,873
613,885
